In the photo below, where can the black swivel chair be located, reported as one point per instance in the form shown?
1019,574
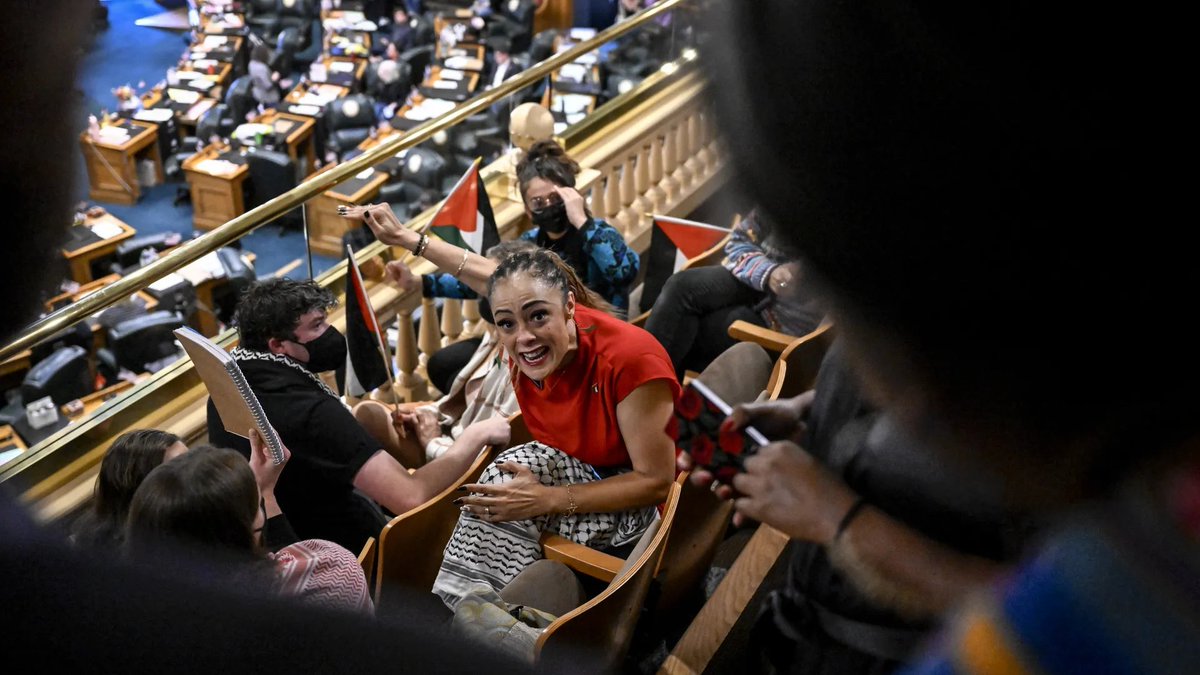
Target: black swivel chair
541,47
424,168
300,15
283,60
240,100
144,343
262,16
418,59
63,376
348,122
129,252
238,277
271,174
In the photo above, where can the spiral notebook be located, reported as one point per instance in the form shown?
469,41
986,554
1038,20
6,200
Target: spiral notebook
230,392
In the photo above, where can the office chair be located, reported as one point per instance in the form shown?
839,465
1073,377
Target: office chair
418,59
262,16
240,100
283,60
141,344
348,122
63,376
272,173
423,31
301,15
79,335
238,277
424,168
541,47
129,252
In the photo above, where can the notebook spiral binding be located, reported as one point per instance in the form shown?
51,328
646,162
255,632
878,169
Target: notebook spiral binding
274,445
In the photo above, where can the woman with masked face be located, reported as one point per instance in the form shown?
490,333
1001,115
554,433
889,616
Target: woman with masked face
561,223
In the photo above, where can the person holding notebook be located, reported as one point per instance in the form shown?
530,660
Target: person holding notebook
341,485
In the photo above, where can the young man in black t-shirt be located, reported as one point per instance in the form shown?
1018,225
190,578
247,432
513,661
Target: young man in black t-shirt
339,475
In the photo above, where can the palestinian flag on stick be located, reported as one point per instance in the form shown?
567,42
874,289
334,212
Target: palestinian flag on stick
465,219
367,362
673,242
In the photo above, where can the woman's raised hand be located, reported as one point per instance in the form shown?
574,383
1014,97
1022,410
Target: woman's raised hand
576,213
383,222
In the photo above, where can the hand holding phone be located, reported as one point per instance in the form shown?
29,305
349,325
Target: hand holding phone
698,428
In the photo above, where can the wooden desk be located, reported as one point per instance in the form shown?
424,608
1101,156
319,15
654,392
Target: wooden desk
318,96
458,90
93,286
8,436
354,43
351,79
187,115
299,131
464,56
216,21
112,165
92,402
325,226
217,196
80,259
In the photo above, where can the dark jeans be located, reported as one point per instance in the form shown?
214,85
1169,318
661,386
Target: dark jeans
445,364
692,315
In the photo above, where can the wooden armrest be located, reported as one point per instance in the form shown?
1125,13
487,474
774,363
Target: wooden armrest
771,340
580,558
641,319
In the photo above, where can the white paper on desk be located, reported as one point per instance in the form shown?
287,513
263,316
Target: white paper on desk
153,115
437,106
573,71
106,229
448,74
208,267
445,84
560,127
219,167
214,41
202,63
183,96
571,103
204,84
200,108
365,173
113,134
587,59
313,100
187,74
463,63
417,114
305,109
581,34
198,56
166,282
341,66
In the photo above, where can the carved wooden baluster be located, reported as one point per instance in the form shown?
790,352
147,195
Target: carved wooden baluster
655,193
612,198
683,175
471,316
429,337
642,203
410,386
452,321
708,157
598,206
629,215
670,186
694,164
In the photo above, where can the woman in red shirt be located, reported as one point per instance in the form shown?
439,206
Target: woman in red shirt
596,392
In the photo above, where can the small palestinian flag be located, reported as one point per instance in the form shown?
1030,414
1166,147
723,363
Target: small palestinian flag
465,219
673,242
367,362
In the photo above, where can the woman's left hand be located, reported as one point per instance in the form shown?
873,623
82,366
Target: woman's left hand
521,498
576,213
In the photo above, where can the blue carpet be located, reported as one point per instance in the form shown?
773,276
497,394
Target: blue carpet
126,53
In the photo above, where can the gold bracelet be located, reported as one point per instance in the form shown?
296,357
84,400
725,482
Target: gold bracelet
571,502
462,264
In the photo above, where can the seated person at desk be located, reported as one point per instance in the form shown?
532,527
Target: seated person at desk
481,390
264,81
759,281
397,35
213,503
339,474
389,91
595,391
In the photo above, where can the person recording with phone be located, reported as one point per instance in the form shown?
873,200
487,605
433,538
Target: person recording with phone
884,538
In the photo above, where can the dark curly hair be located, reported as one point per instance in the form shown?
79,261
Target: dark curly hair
546,160
272,309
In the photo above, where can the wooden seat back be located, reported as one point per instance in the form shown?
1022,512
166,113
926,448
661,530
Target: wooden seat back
596,635
411,546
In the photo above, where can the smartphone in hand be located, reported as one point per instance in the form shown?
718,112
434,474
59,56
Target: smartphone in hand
696,429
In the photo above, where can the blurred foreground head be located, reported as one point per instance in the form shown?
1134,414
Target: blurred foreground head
987,192
39,53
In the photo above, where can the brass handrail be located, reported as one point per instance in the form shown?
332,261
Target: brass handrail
270,210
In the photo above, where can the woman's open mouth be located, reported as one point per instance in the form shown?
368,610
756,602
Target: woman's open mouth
535,357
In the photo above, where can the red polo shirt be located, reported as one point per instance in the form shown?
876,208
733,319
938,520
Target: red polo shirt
576,408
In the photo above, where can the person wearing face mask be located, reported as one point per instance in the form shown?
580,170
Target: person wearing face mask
341,484
595,250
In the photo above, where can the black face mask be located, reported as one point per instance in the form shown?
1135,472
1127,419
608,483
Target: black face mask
327,351
552,219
